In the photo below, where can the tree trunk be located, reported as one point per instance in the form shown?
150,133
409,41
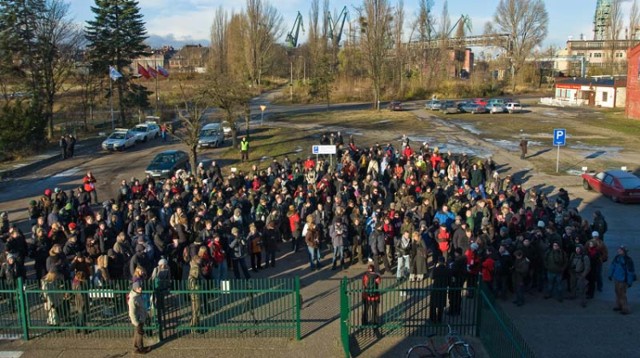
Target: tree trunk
193,157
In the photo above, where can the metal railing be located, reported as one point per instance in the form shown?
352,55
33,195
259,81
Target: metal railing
411,309
497,332
202,309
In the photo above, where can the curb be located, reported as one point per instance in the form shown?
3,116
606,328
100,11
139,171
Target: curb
83,146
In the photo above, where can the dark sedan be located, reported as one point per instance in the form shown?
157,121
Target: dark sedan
470,107
619,185
395,106
166,163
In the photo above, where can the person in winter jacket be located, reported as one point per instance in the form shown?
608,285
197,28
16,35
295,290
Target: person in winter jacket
622,273
239,247
520,276
338,234
403,250
377,246
579,268
555,261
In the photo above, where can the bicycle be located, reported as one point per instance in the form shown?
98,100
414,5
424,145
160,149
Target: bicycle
453,347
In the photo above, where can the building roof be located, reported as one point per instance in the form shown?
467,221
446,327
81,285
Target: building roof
594,81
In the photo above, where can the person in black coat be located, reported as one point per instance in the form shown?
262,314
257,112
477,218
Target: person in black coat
457,273
438,301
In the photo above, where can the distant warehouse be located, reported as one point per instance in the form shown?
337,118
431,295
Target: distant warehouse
602,91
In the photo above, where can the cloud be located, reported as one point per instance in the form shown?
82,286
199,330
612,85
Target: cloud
156,41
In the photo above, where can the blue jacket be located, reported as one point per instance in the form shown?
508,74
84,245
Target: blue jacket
622,269
445,219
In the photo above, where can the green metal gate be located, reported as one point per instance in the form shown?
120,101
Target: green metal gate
236,308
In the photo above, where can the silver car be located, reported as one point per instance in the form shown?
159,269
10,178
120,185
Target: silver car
433,105
120,139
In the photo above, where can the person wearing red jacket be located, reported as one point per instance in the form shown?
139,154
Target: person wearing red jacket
89,182
444,238
473,267
294,225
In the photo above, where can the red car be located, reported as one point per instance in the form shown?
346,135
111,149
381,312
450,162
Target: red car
481,101
619,185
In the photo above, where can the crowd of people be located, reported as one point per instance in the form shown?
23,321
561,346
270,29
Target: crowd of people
405,208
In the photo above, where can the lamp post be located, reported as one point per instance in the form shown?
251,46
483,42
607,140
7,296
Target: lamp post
262,108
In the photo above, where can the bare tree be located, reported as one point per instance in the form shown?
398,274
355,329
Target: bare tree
400,50
196,99
634,21
219,27
60,40
526,23
264,26
375,24
232,97
612,35
425,23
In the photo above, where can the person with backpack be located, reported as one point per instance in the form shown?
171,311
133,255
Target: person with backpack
622,273
580,266
371,296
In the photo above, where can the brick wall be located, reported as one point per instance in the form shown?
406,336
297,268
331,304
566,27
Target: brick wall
633,83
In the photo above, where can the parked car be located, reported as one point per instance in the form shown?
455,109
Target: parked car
619,185
226,128
513,107
165,164
481,101
473,108
449,107
433,105
395,106
211,135
146,131
120,139
496,108
499,101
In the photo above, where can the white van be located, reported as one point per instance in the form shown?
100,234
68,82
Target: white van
211,135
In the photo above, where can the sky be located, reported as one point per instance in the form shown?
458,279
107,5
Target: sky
179,22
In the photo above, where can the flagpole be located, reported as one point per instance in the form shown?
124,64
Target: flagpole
155,63
113,125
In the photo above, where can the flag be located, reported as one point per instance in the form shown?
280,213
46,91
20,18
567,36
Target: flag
152,71
114,74
163,72
142,72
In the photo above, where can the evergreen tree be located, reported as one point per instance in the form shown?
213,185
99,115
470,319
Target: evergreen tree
21,60
116,37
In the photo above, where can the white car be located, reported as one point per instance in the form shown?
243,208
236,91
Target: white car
226,128
496,108
513,107
120,139
146,131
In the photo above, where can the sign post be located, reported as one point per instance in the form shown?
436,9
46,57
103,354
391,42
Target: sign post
324,149
559,139
262,108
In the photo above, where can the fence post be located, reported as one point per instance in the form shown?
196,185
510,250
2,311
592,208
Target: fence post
479,303
22,309
298,308
344,317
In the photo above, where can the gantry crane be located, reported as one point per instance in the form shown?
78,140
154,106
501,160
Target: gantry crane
292,36
336,27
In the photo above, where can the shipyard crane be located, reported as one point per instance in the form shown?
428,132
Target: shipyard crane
336,27
465,20
292,36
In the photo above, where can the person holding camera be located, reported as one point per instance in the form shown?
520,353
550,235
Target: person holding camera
239,247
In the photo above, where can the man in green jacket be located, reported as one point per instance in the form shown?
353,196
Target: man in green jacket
555,261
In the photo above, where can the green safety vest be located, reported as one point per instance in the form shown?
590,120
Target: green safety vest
244,145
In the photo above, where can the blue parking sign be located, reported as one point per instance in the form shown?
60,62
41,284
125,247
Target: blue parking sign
559,136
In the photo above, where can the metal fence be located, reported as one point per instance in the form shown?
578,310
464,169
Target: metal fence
203,309
412,309
496,331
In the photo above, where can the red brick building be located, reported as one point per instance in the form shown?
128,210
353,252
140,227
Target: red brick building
632,109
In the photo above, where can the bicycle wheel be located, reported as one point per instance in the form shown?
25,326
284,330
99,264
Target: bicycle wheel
420,352
461,350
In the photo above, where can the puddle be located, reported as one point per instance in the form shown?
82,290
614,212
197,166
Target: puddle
298,150
383,122
418,139
67,173
596,152
469,128
550,114
264,158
